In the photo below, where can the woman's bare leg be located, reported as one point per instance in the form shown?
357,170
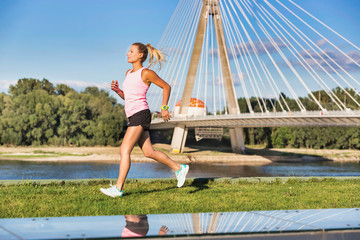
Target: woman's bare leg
132,135
148,150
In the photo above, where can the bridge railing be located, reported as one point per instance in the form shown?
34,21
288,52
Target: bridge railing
157,117
270,119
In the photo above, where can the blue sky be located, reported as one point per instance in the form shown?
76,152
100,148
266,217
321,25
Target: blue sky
84,42
80,42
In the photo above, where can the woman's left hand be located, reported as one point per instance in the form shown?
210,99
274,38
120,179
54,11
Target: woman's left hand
165,115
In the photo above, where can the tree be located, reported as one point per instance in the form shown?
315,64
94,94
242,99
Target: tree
63,89
36,113
27,85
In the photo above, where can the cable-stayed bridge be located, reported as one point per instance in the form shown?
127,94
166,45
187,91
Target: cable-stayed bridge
255,63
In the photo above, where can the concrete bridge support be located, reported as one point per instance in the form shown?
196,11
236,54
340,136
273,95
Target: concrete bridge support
237,140
213,223
179,138
210,7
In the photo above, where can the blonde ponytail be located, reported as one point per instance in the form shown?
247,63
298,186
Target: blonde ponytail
153,52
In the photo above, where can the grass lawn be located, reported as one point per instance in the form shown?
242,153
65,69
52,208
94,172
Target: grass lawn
32,199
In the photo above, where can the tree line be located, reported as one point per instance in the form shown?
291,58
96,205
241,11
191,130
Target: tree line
35,112
305,137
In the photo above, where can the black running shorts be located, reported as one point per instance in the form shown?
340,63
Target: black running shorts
142,118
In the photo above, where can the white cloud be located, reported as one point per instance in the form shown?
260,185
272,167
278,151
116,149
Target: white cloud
321,42
238,78
171,51
83,84
5,84
250,48
322,59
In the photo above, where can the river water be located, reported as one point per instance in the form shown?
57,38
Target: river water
17,170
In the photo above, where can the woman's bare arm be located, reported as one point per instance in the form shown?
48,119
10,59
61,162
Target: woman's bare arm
150,76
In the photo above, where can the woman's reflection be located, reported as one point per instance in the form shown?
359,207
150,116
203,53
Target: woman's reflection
138,226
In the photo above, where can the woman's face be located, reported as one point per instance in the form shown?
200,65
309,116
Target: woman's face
133,54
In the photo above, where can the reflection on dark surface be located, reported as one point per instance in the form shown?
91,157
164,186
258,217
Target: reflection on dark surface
240,222
18,170
138,226
308,221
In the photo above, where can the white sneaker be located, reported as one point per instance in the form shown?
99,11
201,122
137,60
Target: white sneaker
181,174
112,191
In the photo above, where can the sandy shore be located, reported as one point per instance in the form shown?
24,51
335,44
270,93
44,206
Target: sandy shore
111,154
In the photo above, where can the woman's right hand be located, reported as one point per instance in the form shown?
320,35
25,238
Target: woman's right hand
163,230
115,86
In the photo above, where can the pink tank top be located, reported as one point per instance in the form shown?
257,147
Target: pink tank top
135,92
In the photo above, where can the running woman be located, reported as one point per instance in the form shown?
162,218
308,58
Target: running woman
134,88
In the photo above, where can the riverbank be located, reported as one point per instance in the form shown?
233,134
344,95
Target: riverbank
253,155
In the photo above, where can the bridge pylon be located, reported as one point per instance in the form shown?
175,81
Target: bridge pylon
209,7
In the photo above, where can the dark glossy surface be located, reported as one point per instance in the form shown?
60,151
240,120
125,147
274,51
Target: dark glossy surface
180,224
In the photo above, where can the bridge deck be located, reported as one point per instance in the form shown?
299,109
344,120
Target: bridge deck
291,119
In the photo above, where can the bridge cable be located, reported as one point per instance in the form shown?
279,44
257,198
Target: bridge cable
247,55
242,44
166,34
179,54
188,53
206,55
259,92
326,26
328,42
289,63
172,45
231,45
231,222
188,45
275,45
212,62
252,78
351,59
285,58
179,64
318,79
292,26
203,63
301,106
170,33
222,86
256,53
254,49
200,73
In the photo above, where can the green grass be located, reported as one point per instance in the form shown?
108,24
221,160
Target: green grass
32,199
